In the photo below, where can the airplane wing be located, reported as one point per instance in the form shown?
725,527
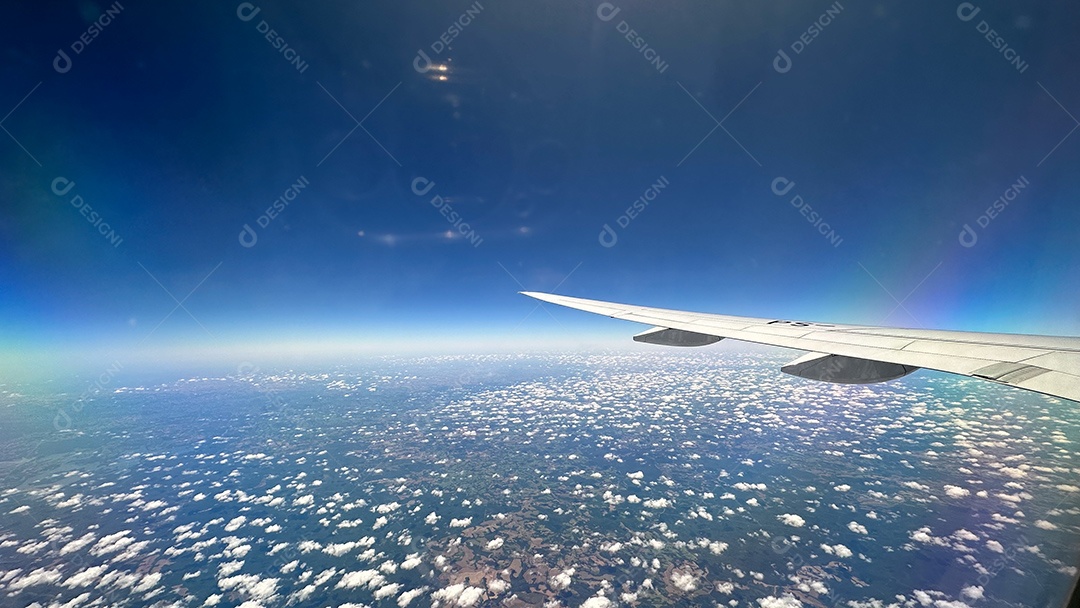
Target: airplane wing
856,354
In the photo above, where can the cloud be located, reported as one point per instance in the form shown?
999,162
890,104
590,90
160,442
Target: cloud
956,491
461,523
147,583
597,601
495,544
563,579
974,592
459,594
995,546
369,578
85,577
1045,525
787,601
386,591
235,523
684,581
791,519
407,597
837,550
41,576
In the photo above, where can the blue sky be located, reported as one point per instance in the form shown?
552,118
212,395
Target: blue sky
897,123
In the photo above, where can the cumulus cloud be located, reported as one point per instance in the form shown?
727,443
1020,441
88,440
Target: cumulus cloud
563,579
684,581
495,544
235,523
956,491
791,519
361,578
386,591
974,592
837,550
407,597
461,523
597,601
787,601
857,528
459,595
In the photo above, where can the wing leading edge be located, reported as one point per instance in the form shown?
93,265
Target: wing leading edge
861,354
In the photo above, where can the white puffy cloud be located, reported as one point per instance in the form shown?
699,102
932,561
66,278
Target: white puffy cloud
791,519
386,591
85,578
974,592
495,544
684,581
857,528
787,601
407,597
956,491
361,578
459,595
837,550
563,579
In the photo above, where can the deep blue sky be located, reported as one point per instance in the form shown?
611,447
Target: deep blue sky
179,123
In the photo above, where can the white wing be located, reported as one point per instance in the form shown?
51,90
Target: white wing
862,354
